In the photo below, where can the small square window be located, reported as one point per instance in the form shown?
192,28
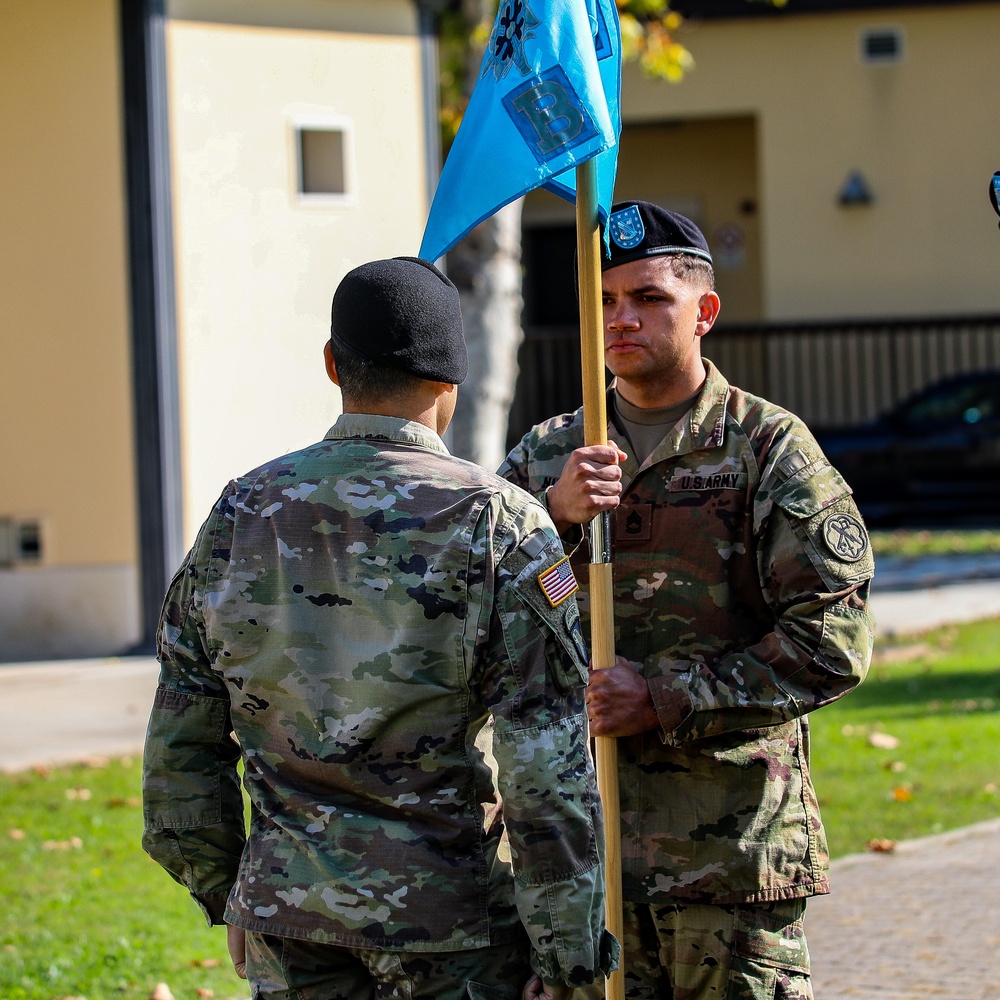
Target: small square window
322,161
323,167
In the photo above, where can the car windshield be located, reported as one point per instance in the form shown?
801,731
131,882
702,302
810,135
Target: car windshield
962,403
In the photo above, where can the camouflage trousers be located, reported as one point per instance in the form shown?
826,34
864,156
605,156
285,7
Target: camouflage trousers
696,952
288,969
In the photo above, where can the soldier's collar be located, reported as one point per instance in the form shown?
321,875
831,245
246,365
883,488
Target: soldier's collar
395,429
704,426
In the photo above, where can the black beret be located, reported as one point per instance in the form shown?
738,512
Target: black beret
403,313
638,229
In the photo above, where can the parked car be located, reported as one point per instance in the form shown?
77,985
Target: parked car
932,459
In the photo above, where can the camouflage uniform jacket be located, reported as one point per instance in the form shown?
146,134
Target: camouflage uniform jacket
354,614
741,571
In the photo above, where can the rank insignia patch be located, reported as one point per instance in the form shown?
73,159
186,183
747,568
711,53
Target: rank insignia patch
558,582
626,228
845,537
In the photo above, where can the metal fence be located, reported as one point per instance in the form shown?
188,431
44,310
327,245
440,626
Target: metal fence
830,374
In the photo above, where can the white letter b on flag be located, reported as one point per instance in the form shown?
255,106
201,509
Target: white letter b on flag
549,114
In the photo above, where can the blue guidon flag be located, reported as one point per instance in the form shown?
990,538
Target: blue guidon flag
558,582
547,100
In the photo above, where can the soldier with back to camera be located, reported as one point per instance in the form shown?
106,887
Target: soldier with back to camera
355,614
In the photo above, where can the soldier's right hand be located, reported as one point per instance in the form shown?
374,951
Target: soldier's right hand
590,484
535,989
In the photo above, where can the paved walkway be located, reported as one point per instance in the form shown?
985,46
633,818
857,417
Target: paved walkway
66,710
907,611
922,922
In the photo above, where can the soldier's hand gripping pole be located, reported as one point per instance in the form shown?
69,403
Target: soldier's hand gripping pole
602,623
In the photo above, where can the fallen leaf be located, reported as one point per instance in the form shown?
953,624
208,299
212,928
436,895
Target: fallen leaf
119,802
990,789
902,793
161,992
206,963
894,765
883,741
42,770
205,994
74,843
16,834
881,845
83,794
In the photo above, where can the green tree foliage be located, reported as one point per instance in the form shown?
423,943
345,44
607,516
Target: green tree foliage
649,37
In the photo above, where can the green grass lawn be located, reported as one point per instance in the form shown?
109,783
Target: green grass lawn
938,699
84,913
919,542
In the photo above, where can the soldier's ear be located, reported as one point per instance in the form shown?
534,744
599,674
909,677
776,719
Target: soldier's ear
331,365
708,312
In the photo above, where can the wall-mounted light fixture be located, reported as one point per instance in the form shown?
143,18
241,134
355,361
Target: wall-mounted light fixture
855,190
881,46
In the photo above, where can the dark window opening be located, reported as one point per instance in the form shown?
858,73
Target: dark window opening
322,161
550,297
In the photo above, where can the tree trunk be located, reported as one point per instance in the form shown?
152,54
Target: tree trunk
486,267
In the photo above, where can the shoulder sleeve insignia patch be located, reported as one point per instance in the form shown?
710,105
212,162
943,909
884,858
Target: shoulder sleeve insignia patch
558,582
845,537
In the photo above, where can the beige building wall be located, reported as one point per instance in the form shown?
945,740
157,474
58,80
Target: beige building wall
65,381
922,132
707,170
257,262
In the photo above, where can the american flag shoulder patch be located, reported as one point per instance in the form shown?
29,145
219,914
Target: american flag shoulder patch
558,582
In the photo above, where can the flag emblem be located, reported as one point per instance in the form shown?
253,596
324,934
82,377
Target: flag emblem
626,228
514,25
558,582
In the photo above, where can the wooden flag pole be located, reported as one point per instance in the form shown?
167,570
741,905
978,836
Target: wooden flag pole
602,620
